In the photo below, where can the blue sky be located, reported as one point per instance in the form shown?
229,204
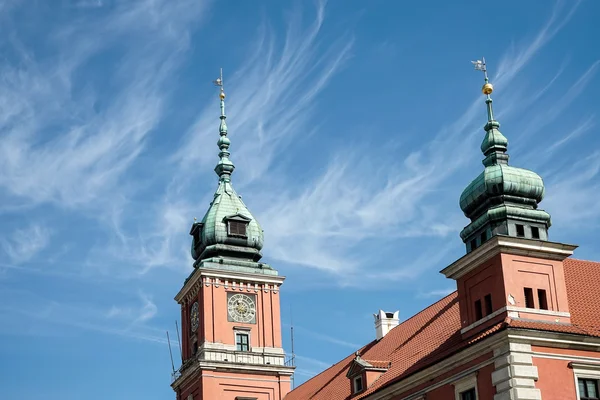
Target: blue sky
354,125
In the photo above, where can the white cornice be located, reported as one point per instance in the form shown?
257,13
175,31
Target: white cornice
508,245
276,280
204,365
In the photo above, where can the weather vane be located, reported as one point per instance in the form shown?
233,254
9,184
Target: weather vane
480,65
219,82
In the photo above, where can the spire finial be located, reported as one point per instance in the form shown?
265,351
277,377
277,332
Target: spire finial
225,167
494,144
487,88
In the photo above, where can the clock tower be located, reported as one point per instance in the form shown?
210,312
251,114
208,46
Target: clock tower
230,313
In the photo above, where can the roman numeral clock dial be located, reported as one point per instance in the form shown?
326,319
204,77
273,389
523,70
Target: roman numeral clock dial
241,308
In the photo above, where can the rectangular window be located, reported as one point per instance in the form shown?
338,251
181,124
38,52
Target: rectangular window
588,389
535,232
237,228
529,298
488,304
483,237
358,384
520,230
468,395
473,244
241,342
542,299
478,311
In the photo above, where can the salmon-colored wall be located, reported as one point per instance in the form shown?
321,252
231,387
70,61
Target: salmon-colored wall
223,385
484,280
485,389
507,274
536,273
556,379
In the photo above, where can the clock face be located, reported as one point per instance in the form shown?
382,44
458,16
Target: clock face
195,317
241,308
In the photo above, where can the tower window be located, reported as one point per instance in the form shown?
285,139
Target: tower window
488,304
535,232
473,244
242,342
483,237
478,311
528,297
358,384
237,228
520,230
543,300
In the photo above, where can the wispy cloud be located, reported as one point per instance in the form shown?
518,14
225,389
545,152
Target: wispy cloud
131,321
322,224
322,337
24,244
270,105
438,293
89,140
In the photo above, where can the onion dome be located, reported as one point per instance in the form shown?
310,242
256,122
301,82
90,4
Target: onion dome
502,200
228,229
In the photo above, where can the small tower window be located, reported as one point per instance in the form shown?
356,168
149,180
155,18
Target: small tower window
478,310
520,230
543,300
528,297
483,237
237,228
535,232
473,244
242,342
488,304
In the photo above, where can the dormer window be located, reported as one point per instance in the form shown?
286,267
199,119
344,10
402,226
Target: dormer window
237,225
358,384
236,228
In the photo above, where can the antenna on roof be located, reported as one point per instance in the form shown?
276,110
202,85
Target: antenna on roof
179,340
292,337
171,353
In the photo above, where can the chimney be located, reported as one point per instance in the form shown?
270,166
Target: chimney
385,322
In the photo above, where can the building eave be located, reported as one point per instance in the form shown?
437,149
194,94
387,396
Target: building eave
201,272
508,245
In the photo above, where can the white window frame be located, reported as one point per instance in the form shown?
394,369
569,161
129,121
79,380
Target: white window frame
464,384
242,331
362,383
586,371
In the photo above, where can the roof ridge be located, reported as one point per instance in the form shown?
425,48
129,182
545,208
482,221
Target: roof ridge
425,309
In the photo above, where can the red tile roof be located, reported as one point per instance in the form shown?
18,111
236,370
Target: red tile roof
434,334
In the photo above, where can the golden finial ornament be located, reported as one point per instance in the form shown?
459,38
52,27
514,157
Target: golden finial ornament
219,82
487,89
480,65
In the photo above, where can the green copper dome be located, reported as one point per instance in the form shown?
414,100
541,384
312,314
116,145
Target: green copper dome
502,200
216,237
228,229
516,184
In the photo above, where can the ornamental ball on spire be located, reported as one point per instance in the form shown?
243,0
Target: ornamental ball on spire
487,89
222,95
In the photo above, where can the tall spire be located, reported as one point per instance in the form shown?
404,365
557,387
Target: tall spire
502,200
494,143
224,167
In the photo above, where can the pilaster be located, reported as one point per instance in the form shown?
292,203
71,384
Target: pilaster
515,375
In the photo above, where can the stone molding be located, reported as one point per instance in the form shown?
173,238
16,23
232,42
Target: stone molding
507,245
515,375
229,282
464,384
